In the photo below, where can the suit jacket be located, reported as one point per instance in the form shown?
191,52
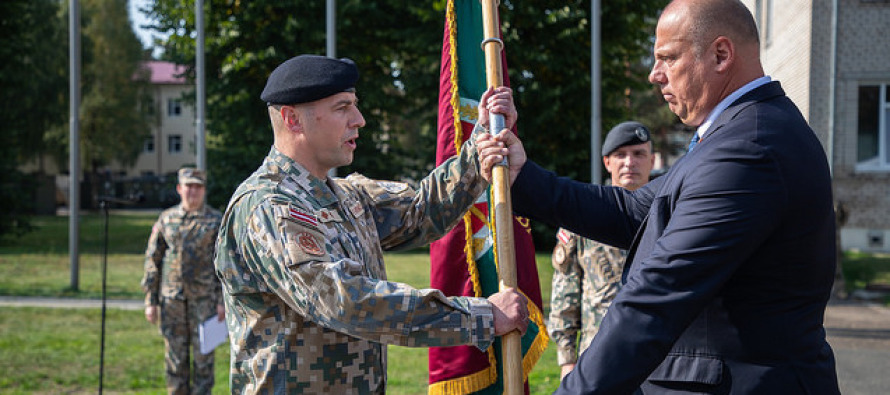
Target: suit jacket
730,266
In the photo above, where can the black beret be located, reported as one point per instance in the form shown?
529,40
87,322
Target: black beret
307,78
625,133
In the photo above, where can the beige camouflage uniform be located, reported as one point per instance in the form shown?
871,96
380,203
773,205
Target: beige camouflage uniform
180,278
586,279
308,306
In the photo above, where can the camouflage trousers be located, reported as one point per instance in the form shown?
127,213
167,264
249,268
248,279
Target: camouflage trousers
179,326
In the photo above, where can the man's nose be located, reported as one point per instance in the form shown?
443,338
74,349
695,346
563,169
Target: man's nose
359,121
656,76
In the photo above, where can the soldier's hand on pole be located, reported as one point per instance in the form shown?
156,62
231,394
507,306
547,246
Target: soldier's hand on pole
510,310
498,100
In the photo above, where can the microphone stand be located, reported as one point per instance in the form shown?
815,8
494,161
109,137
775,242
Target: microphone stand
103,203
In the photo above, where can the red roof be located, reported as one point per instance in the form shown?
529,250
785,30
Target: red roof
166,72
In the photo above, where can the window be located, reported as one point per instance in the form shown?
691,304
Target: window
149,145
174,108
174,143
873,128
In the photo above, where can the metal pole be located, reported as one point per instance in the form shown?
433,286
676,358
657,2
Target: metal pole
596,117
832,86
331,41
331,27
200,88
74,140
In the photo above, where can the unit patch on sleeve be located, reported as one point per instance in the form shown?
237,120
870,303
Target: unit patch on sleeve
309,244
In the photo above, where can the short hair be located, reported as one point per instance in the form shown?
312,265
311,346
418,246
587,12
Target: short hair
711,18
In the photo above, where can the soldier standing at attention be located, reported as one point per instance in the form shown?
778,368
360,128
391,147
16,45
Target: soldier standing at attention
180,284
588,273
300,254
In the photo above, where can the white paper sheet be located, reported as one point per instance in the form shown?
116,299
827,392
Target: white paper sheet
212,333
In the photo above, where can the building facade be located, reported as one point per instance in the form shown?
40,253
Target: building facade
833,59
173,135
172,144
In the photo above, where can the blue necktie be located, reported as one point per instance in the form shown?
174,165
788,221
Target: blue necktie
693,142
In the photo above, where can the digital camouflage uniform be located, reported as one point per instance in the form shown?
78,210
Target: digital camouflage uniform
180,278
586,279
308,306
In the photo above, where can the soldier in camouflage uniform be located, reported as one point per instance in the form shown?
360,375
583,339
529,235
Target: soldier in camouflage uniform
180,283
300,254
588,273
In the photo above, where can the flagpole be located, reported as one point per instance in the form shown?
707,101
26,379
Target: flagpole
511,346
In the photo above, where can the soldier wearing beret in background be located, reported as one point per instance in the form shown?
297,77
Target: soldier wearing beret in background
180,284
588,273
300,254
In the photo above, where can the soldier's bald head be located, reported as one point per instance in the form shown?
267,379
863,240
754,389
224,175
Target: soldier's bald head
705,20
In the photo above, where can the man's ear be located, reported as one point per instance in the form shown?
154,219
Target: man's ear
290,116
724,53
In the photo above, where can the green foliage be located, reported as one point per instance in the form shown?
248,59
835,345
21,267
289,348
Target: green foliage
397,46
114,121
33,89
861,269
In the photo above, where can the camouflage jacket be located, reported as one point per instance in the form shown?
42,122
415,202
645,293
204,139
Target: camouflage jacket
308,306
586,279
179,257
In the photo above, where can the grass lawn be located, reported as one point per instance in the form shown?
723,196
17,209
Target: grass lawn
54,351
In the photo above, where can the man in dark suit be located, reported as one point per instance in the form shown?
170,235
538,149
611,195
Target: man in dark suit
731,253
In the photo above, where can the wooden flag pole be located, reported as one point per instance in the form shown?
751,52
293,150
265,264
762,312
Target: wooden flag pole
511,343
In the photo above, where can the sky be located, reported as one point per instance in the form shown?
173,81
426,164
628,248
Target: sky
137,18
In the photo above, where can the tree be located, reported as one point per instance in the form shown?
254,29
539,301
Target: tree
114,116
397,47
33,81
115,105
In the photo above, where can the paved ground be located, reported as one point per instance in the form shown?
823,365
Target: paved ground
70,303
859,333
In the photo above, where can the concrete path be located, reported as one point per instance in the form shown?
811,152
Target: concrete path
859,333
70,303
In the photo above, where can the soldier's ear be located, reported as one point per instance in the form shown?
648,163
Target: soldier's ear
290,115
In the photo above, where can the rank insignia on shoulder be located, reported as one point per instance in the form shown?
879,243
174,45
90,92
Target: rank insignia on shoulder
355,207
325,215
392,186
302,216
309,244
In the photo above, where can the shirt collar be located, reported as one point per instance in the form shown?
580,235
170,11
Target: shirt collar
183,213
283,169
724,104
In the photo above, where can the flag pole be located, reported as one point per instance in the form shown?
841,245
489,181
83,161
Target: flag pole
511,346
